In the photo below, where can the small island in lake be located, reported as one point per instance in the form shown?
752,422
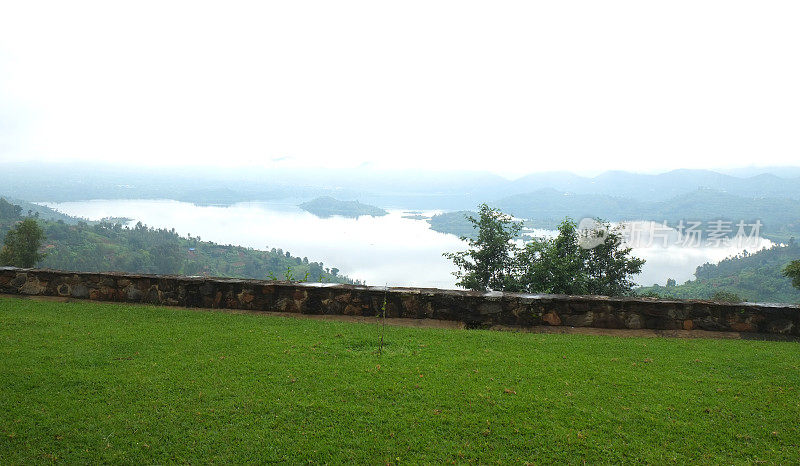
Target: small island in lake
327,206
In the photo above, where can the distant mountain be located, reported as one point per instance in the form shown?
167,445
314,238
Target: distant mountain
546,208
560,181
549,206
705,204
404,189
745,172
645,187
327,207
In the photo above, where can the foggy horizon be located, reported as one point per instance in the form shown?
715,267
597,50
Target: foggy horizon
514,89
225,170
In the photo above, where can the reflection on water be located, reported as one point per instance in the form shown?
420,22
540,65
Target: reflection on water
378,250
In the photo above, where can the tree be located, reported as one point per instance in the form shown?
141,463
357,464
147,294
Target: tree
490,261
793,271
167,256
576,261
554,265
21,245
610,266
586,261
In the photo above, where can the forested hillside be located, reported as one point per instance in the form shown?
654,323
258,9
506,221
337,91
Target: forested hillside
753,277
105,246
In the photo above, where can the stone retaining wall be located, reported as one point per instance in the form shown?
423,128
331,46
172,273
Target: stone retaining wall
475,309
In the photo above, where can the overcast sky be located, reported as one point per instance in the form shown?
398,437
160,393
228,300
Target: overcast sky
503,86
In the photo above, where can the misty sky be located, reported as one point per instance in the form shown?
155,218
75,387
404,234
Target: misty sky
502,86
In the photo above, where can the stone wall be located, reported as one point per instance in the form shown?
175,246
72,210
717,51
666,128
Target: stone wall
475,309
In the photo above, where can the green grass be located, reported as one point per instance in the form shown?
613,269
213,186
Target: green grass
88,382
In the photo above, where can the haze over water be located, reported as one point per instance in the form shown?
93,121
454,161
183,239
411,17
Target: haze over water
377,250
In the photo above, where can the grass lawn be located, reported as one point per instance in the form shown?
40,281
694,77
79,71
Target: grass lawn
88,382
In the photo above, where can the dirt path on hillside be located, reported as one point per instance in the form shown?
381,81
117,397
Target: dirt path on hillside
449,324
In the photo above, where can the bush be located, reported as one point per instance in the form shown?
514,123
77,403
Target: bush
726,297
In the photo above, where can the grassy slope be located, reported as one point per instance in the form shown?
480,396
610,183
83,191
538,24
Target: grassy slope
87,382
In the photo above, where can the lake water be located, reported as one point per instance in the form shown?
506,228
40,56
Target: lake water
377,250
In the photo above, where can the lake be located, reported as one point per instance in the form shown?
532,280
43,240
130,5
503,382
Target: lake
377,250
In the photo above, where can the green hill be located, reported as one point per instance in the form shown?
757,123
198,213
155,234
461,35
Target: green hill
548,207
104,246
753,277
454,223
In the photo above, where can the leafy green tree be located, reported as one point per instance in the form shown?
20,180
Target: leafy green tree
609,266
554,265
793,271
489,262
167,256
21,245
567,265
